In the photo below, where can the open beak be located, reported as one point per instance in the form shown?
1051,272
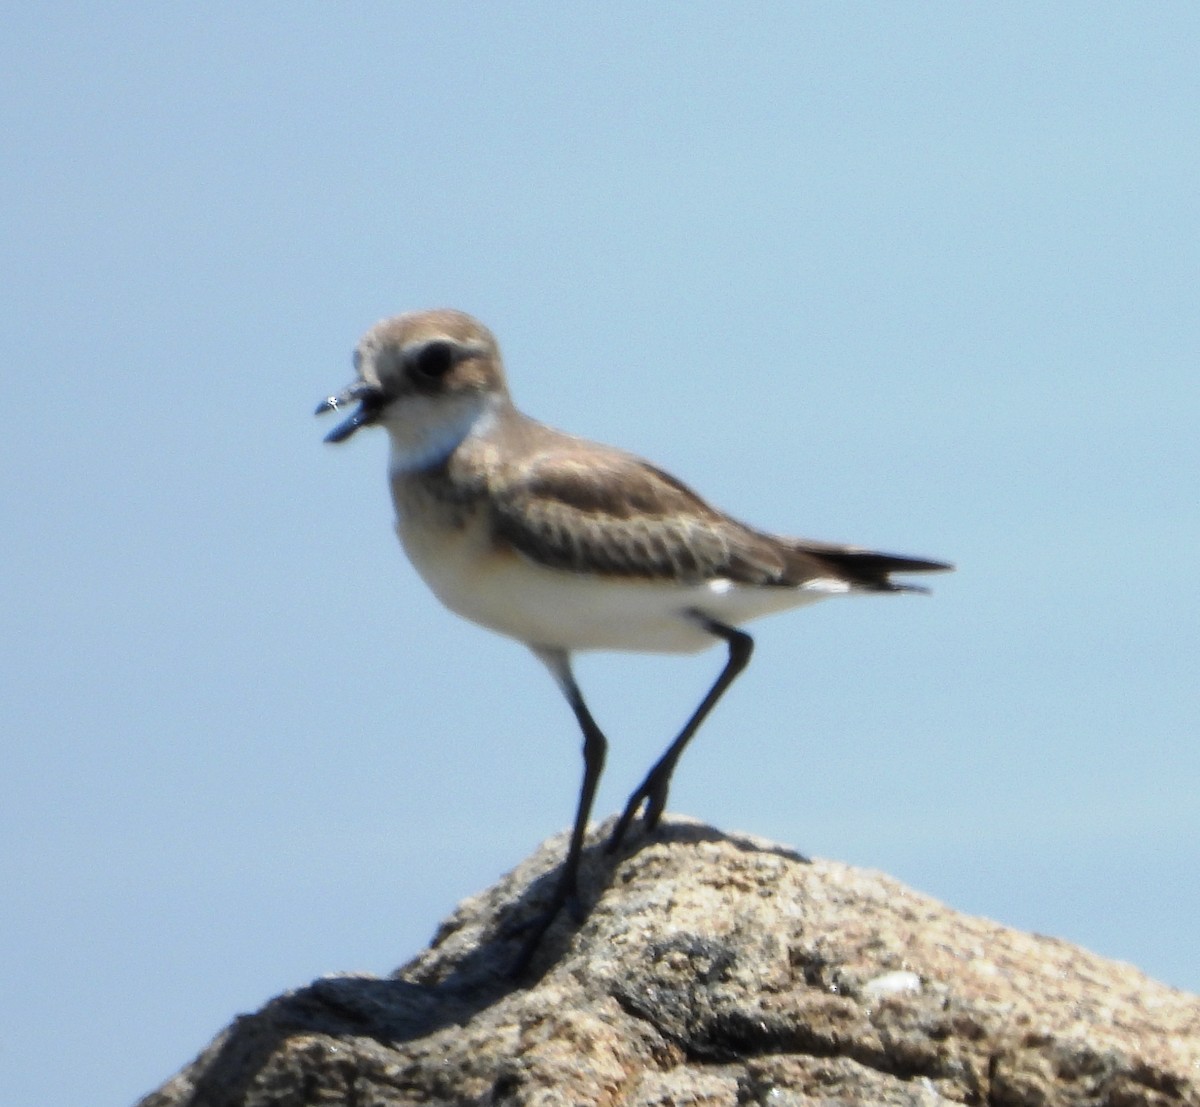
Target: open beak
370,404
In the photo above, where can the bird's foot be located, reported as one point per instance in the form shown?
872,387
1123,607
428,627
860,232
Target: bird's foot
652,793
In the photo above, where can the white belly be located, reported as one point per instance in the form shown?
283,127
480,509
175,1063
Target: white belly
554,608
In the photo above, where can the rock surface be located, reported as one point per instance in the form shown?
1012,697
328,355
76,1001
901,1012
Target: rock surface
714,970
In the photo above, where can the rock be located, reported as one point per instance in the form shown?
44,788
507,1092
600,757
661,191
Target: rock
714,970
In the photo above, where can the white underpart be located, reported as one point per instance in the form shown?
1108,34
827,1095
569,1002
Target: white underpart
560,610
424,431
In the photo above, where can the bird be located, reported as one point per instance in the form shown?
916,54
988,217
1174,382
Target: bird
568,545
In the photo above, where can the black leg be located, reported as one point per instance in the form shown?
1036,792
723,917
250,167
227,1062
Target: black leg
566,891
594,750
653,790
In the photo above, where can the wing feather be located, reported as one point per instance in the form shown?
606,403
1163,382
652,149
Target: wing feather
622,516
589,508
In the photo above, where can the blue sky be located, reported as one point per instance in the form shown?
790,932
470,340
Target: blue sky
920,277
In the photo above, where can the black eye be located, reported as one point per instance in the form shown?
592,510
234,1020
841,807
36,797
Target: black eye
433,361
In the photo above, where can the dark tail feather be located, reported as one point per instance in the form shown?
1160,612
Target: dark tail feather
870,569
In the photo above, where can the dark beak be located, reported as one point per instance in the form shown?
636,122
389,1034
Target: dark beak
370,404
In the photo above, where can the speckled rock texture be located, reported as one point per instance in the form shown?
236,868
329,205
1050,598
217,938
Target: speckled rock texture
718,970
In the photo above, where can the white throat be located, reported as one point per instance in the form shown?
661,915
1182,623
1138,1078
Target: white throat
425,430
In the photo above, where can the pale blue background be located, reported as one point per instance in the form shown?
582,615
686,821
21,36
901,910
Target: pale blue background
918,276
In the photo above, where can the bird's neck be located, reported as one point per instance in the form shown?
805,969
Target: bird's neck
426,431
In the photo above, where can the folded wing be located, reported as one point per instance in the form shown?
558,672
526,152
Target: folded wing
621,516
